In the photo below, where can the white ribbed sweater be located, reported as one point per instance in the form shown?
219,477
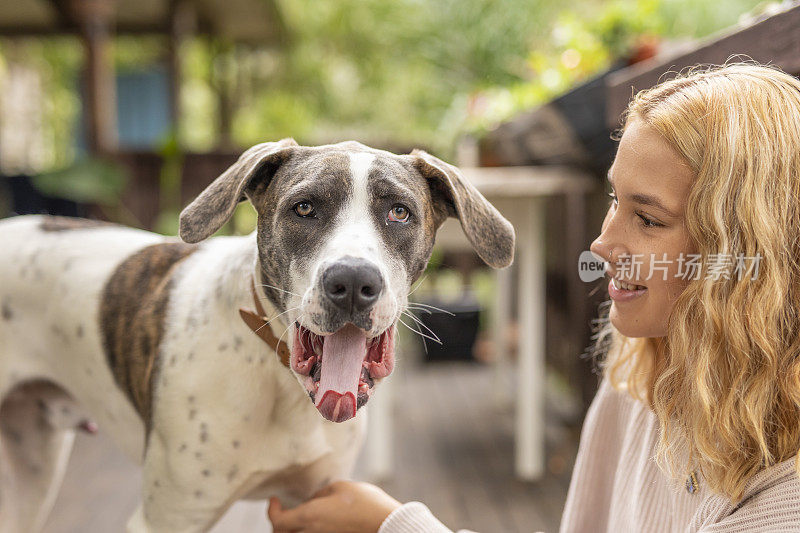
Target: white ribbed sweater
616,485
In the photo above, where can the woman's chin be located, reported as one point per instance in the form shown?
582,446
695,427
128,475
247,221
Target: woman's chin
631,324
634,326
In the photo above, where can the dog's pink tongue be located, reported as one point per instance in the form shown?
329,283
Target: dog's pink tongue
343,354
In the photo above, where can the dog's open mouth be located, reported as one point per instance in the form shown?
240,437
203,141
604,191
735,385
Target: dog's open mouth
341,367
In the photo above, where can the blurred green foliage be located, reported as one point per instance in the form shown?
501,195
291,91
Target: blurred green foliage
396,74
400,73
170,186
86,181
585,41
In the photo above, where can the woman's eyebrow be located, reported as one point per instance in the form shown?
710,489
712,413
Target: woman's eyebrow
645,199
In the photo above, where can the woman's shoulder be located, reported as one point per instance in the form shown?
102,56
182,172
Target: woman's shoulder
771,502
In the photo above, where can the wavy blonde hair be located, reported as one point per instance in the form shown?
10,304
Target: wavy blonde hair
724,382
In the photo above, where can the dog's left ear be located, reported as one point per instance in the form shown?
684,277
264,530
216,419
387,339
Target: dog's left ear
491,235
215,205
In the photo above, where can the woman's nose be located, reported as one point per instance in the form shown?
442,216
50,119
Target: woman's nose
609,245
606,249
600,249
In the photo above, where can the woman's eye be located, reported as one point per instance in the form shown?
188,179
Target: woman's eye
304,209
398,213
648,222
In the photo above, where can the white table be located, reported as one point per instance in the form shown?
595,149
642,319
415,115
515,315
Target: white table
519,194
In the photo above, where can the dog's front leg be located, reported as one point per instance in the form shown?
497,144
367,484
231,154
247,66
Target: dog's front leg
180,492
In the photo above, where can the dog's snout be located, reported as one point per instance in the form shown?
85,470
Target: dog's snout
352,284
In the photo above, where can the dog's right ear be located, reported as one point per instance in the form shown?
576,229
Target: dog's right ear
215,205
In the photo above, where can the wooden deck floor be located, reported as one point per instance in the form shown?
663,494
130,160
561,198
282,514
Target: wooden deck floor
453,451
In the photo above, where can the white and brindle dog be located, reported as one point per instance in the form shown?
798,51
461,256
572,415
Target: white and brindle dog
153,338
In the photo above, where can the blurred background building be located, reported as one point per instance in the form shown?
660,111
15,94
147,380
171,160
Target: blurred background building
125,109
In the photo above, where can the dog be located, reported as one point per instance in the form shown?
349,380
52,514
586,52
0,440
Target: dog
229,368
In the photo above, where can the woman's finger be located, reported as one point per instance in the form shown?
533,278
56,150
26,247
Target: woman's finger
284,519
327,490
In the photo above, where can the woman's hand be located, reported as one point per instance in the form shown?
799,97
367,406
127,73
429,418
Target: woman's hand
341,507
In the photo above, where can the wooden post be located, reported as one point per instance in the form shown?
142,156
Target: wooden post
182,22
223,79
95,21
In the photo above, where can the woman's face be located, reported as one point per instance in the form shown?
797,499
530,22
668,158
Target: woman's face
644,232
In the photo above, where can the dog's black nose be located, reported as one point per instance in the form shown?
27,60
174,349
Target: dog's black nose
352,284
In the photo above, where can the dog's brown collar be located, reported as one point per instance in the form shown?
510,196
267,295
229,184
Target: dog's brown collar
259,323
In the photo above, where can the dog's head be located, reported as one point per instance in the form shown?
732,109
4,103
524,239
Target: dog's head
343,232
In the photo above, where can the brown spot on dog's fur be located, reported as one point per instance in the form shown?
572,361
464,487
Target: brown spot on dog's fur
59,332
79,331
7,313
131,317
54,223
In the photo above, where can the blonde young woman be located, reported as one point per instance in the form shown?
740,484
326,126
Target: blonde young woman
696,426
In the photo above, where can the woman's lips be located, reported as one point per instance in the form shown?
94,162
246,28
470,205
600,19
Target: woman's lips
623,295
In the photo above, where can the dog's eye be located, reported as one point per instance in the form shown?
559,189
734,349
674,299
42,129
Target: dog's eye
398,213
304,209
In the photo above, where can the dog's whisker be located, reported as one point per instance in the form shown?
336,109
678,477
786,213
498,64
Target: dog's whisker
418,321
288,328
419,309
424,336
266,323
419,332
419,284
428,306
279,314
433,335
279,289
